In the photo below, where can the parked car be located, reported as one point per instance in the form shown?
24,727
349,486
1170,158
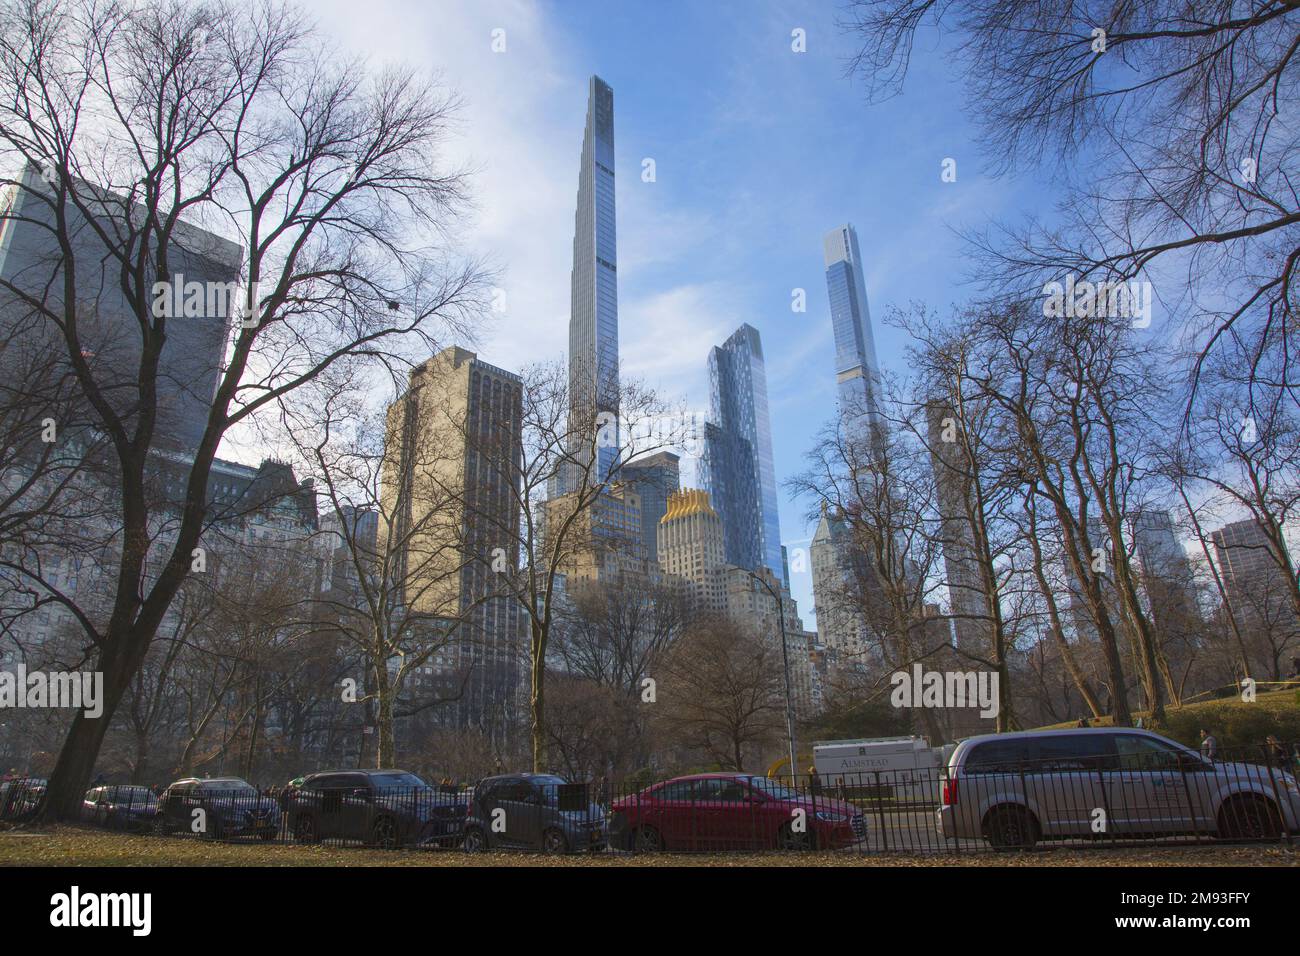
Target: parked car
533,811
231,807
21,798
387,808
1016,789
733,811
123,807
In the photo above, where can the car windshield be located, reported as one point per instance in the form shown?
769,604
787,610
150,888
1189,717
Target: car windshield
773,789
228,786
397,781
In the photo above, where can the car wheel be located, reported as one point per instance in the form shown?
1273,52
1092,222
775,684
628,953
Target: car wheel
384,833
1011,828
474,840
788,839
1249,818
554,842
304,828
649,840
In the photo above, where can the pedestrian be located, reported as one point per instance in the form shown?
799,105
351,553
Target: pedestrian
1209,746
1083,722
1277,755
814,782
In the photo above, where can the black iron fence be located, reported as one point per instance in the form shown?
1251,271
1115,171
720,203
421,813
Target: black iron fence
1007,793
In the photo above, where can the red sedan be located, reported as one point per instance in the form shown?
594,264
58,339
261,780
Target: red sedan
717,811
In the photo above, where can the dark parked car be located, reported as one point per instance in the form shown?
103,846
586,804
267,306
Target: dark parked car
231,807
21,798
388,808
732,811
123,807
535,812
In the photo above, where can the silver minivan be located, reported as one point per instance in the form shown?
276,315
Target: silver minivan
1018,788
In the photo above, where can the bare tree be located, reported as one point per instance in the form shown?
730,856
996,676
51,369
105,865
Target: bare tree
562,483
1181,111
721,693
1082,397
135,121
614,632
394,531
879,486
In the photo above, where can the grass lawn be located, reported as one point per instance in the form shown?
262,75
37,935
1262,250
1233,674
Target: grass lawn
71,846
1232,720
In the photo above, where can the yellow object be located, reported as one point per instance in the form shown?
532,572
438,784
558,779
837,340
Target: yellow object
683,504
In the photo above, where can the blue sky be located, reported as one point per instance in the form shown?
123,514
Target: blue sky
759,150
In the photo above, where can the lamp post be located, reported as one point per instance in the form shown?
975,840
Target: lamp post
785,663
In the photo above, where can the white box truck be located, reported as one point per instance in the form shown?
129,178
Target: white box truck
904,768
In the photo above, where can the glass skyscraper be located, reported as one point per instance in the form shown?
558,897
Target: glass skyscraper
856,367
593,317
745,489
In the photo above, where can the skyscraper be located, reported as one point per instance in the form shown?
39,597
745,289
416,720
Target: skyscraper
451,441
837,570
691,547
32,268
841,619
856,368
967,598
741,447
654,479
727,470
593,315
1258,588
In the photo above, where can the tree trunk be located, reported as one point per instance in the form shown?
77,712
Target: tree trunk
76,762
537,700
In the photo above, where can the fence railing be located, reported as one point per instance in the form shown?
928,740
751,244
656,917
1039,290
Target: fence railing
1002,798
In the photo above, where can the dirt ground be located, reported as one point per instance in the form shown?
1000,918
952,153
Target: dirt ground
71,846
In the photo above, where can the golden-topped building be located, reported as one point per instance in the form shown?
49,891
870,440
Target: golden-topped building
691,546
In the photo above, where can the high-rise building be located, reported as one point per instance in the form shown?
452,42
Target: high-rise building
654,479
1157,548
604,539
727,470
205,270
593,315
856,368
841,578
738,403
691,546
836,579
967,599
1258,588
1166,574
753,606
452,442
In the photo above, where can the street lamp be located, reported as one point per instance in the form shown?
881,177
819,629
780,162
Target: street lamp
785,662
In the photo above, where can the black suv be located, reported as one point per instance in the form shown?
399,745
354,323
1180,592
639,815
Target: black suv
231,807
387,808
533,811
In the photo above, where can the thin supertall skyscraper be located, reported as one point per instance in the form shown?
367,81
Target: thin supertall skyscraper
593,317
856,369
